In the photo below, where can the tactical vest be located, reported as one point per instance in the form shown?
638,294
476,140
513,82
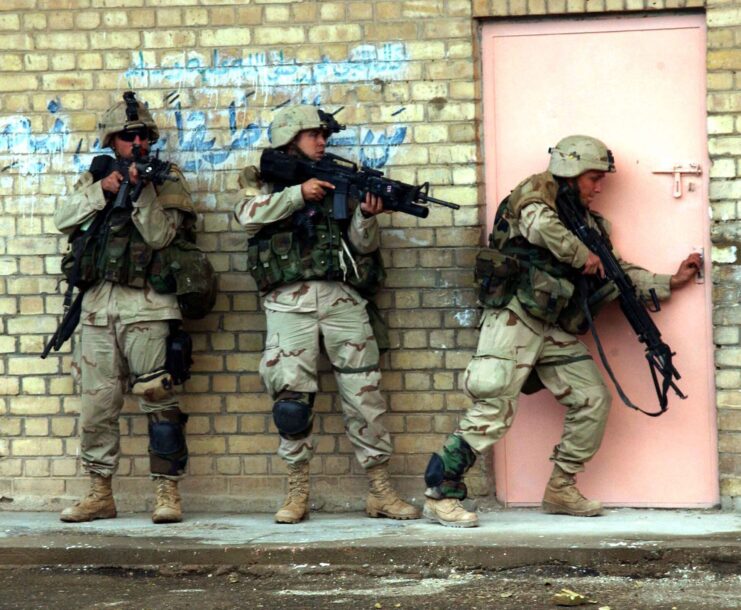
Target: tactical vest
512,266
118,253
308,246
121,256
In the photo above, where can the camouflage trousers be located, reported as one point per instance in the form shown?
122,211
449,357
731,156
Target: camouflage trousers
110,357
336,313
511,344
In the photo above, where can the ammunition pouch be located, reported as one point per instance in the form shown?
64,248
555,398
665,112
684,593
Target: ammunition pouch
573,319
371,274
497,276
183,269
543,295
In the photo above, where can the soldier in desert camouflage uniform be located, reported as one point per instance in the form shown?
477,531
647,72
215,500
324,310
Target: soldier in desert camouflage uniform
307,266
527,327
125,322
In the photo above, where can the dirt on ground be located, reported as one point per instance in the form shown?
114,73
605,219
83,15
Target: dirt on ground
320,586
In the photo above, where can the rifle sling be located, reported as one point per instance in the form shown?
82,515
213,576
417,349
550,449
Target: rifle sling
608,368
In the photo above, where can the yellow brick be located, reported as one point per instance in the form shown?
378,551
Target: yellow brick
277,14
199,425
10,426
65,468
10,467
249,15
332,11
34,385
37,426
224,383
34,405
249,403
252,444
225,424
169,39
36,446
37,468
18,82
195,16
87,20
304,12
34,21
63,61
77,80
359,11
224,37
31,61
63,41
422,8
228,465
62,426
392,31
252,424
9,386
169,17
90,61
61,21
335,33
279,35
386,11
206,446
142,18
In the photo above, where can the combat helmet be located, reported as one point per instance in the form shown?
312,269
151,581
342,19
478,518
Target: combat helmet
574,155
129,113
289,121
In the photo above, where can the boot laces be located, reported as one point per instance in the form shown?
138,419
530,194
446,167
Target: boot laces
166,493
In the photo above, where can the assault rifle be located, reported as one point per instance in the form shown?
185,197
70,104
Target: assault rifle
350,181
150,169
659,354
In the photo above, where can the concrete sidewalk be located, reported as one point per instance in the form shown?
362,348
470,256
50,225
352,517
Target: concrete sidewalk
506,538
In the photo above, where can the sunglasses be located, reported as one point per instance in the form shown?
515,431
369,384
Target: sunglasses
131,135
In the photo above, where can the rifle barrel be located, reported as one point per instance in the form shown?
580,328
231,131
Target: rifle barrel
447,204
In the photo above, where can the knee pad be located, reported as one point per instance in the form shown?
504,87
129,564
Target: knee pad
168,453
155,386
292,414
444,473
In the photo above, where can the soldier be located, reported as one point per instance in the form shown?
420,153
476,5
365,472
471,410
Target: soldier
125,321
307,266
526,328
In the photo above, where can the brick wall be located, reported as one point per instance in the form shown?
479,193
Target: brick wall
212,72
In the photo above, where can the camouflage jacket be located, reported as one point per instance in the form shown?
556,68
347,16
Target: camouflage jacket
157,215
259,206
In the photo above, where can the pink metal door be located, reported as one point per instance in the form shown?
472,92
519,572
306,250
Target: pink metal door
639,85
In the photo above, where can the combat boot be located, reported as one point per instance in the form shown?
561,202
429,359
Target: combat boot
296,505
383,501
562,497
97,504
449,512
167,507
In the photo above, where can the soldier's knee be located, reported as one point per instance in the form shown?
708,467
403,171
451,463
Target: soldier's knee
168,453
155,386
292,414
445,470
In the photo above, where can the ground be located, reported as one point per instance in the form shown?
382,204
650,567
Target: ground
312,587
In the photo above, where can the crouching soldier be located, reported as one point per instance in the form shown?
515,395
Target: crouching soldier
528,331
119,217
309,268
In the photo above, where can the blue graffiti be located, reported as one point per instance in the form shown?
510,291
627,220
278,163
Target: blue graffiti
375,148
18,140
195,145
365,63
193,137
